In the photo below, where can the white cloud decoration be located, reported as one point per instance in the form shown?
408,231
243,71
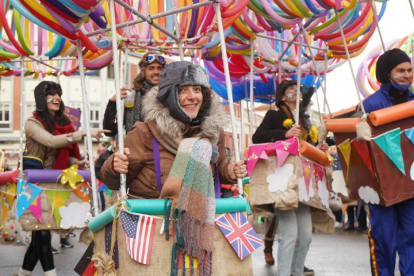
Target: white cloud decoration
76,214
368,195
303,194
412,171
338,183
323,193
278,181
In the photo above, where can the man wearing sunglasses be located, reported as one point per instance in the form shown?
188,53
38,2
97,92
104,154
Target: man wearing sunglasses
151,64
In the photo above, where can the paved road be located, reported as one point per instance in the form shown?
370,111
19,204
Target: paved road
339,254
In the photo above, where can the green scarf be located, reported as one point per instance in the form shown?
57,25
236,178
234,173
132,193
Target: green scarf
193,213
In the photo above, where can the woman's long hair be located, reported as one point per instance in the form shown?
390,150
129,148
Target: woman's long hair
60,117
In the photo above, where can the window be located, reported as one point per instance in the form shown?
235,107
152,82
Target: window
5,121
111,73
30,108
94,115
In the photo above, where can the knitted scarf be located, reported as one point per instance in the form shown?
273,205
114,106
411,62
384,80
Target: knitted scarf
133,115
63,153
190,186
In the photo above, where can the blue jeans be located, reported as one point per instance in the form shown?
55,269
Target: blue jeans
295,235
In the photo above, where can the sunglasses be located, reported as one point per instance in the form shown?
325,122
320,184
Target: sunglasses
153,57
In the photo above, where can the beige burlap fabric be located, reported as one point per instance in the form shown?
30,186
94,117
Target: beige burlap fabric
225,260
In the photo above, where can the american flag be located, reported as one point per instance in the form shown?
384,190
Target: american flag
139,232
239,233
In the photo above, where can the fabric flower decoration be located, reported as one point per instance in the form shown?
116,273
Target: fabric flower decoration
288,123
313,134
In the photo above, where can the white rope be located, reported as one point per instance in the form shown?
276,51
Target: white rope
316,68
349,61
374,10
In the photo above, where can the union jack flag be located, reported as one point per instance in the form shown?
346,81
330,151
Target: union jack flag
239,233
139,232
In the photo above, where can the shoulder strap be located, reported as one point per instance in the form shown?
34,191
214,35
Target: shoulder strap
217,183
157,164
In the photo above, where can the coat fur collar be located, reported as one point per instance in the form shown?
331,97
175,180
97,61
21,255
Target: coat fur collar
212,125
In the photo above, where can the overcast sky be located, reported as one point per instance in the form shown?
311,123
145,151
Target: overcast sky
396,23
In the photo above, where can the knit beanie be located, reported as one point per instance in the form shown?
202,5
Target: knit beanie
388,61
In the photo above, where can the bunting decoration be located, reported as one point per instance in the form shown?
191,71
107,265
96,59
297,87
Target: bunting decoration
319,173
139,233
390,144
363,152
26,194
85,265
262,151
253,156
108,241
12,188
83,192
57,199
307,173
345,148
6,202
239,233
36,208
410,134
281,157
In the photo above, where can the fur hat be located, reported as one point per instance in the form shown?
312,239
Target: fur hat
280,92
388,61
43,89
178,74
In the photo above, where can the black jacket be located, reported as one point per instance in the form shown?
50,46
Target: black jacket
271,129
109,121
101,160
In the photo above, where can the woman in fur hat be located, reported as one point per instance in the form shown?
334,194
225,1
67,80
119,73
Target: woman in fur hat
184,123
51,143
392,228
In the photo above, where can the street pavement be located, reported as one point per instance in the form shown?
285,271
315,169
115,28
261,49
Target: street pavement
340,254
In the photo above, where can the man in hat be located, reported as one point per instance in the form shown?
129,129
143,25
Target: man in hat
151,64
395,73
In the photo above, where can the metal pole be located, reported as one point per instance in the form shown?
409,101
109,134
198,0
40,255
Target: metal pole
229,91
241,125
349,61
22,113
325,100
126,67
248,111
155,16
314,64
298,96
411,6
119,107
287,47
86,119
148,19
374,10
284,40
177,27
279,65
251,86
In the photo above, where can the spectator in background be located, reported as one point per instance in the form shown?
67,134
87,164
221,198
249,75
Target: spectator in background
150,65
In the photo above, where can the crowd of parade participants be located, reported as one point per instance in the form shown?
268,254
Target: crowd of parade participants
175,110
